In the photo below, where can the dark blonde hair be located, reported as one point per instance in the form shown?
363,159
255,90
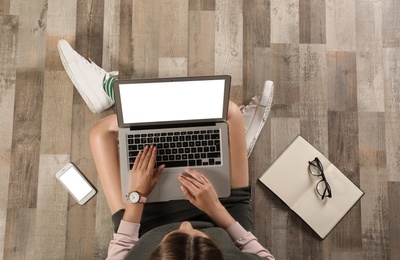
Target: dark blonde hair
180,245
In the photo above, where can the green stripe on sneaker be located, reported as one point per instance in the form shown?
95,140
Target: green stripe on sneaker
108,87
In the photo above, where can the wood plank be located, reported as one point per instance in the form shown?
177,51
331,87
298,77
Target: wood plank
145,38
313,96
261,196
20,233
57,113
346,238
8,67
111,35
173,41
104,227
89,29
285,21
201,43
373,179
312,21
394,211
3,216
126,60
262,72
4,7
392,108
61,18
202,5
340,25
229,43
285,75
51,222
370,87
369,17
342,81
390,22
26,140
61,24
256,43
172,67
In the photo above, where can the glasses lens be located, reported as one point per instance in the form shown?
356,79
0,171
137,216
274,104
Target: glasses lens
321,188
314,170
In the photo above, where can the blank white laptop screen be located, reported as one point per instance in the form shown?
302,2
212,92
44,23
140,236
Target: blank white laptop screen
172,101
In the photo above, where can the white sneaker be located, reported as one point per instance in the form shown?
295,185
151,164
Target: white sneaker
87,77
255,114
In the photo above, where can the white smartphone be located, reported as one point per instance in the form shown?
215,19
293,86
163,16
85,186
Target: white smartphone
76,184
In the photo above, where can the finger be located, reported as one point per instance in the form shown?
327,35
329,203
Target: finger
153,157
200,178
188,184
143,157
157,172
148,157
187,194
137,160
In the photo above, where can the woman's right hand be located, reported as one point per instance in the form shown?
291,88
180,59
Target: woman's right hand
199,191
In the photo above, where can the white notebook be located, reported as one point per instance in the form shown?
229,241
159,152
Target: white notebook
288,177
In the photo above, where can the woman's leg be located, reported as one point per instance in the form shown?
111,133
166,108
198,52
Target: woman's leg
104,145
237,147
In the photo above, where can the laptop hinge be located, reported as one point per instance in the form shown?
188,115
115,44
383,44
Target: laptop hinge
172,126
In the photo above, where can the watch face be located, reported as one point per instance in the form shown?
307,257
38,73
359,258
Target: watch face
134,197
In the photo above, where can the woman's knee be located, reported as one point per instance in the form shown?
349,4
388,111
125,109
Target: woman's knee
233,111
105,125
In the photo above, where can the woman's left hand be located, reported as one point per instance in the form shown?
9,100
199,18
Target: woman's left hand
143,176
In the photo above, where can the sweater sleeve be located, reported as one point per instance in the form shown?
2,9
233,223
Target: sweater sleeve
247,242
125,238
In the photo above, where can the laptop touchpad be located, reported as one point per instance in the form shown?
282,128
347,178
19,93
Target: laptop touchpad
169,185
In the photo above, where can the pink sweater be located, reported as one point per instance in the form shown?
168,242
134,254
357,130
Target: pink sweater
128,234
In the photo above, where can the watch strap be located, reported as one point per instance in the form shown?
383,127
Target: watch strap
142,199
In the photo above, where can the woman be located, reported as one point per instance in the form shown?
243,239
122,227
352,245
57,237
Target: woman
217,228
201,227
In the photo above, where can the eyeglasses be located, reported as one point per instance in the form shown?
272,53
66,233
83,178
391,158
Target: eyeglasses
323,188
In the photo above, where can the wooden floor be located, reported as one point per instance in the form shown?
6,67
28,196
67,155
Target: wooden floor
336,68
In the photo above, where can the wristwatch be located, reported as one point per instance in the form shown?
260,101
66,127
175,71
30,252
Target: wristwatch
134,197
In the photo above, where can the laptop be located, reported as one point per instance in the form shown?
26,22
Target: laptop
185,117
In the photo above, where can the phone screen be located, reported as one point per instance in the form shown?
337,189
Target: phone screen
75,183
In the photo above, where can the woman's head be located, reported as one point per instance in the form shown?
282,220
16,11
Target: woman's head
187,243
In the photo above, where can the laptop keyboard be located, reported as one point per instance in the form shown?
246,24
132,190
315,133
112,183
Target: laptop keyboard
179,149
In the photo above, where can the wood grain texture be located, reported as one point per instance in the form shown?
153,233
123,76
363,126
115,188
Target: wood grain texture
342,81
340,25
285,21
51,222
335,67
285,75
392,111
374,179
390,23
312,21
256,43
111,35
201,42
228,43
4,7
394,197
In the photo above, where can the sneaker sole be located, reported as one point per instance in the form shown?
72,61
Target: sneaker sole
266,101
